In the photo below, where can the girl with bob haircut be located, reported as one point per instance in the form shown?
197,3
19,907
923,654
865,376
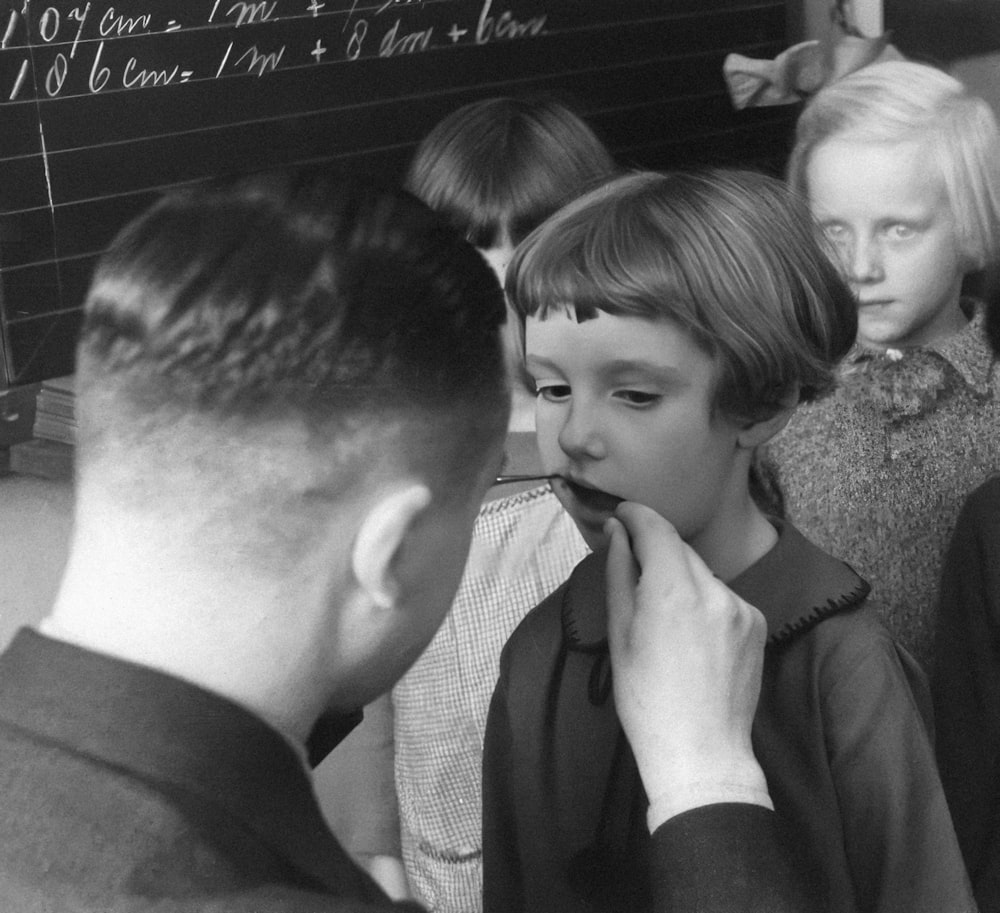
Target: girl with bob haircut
672,322
901,166
774,316
496,169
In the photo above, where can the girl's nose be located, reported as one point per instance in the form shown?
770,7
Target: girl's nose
865,261
579,437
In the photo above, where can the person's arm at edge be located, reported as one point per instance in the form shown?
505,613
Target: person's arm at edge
966,685
718,845
356,789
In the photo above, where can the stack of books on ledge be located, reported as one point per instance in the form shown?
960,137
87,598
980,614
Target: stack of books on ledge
50,451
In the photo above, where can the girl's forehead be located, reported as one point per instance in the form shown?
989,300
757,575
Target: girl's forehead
872,174
857,159
610,340
855,146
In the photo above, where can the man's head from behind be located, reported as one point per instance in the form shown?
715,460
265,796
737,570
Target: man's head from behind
258,357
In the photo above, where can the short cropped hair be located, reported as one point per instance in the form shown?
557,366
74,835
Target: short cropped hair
899,101
503,165
329,303
731,257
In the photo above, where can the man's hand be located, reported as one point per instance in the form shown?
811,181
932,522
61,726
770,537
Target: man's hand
687,655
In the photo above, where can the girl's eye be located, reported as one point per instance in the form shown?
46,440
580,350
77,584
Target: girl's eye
901,232
637,397
836,233
553,393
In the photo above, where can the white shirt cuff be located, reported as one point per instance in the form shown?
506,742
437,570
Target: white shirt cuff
743,783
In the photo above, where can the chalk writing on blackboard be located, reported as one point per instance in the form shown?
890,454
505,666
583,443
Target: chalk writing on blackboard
69,48
106,103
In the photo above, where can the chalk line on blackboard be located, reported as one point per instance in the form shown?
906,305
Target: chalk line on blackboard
81,17
11,23
20,79
222,65
45,163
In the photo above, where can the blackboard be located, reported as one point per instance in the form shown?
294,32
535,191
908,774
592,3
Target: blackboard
940,33
105,104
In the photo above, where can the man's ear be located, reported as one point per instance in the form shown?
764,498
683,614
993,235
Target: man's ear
380,535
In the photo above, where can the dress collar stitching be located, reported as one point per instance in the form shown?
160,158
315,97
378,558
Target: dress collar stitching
795,585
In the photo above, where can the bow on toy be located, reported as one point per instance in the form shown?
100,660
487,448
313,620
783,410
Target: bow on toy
805,68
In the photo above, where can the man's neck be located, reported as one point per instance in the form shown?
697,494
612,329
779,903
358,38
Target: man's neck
130,594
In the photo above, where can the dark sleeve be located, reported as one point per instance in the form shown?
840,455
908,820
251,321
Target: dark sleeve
966,688
726,858
898,835
502,883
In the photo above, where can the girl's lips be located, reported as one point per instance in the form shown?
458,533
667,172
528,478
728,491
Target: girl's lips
592,499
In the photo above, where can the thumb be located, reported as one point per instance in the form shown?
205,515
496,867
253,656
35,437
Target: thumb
622,579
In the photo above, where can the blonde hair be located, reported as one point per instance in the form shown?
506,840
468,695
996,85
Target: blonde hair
902,101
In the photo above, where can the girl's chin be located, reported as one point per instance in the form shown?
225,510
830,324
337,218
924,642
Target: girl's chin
595,538
589,523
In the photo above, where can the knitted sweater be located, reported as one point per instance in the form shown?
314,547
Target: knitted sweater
876,472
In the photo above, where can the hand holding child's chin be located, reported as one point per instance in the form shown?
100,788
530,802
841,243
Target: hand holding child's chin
687,655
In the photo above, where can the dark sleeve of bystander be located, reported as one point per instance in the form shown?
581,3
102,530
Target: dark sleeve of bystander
966,688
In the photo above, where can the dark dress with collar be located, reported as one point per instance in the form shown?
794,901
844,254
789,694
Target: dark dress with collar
124,790
840,733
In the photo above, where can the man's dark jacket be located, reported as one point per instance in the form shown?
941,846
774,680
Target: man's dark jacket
124,789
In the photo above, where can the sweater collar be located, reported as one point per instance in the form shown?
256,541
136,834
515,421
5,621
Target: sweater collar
968,351
795,586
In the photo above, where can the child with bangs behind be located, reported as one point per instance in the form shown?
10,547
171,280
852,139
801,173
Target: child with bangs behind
672,323
495,168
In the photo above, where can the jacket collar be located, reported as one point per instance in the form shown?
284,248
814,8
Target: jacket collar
169,731
795,586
